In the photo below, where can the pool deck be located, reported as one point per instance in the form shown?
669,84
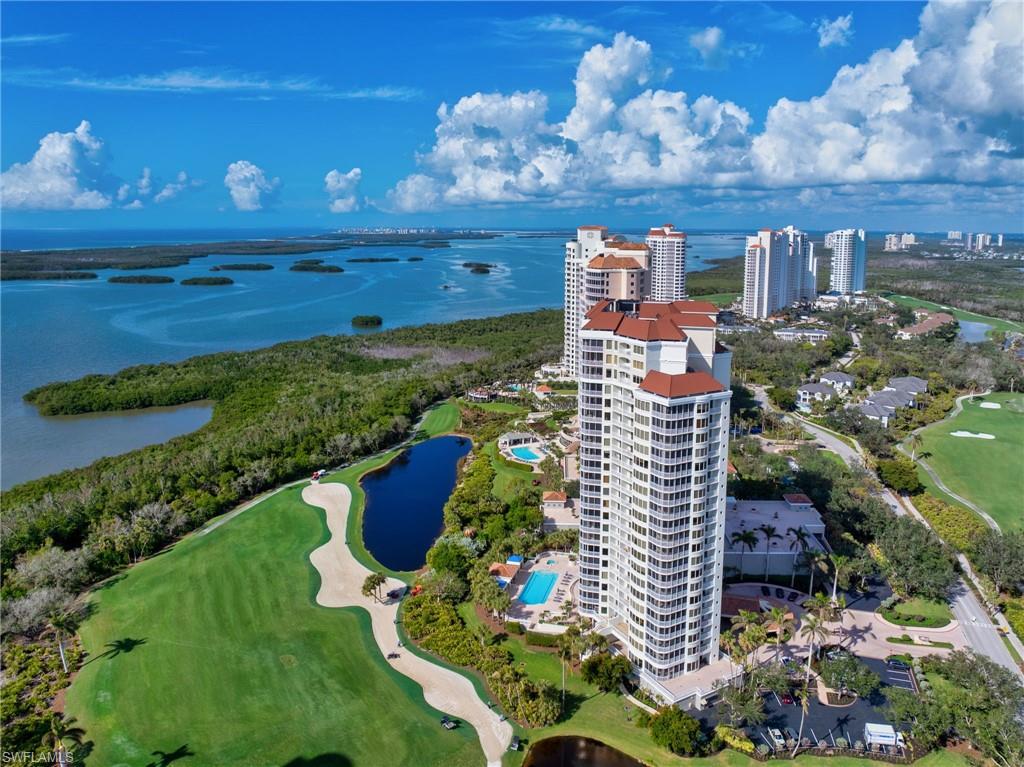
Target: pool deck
563,591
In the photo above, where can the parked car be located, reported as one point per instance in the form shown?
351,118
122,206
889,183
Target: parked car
790,734
792,596
897,663
776,737
766,591
448,723
514,744
787,699
780,593
397,593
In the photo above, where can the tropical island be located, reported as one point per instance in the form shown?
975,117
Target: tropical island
141,279
208,281
255,267
367,321
373,260
477,267
315,265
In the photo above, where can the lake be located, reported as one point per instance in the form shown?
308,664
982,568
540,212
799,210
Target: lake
61,330
973,332
405,501
571,751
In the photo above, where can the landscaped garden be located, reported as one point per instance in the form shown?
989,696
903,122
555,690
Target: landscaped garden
918,613
976,466
215,648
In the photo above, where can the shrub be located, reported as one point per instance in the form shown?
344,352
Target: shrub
367,321
735,739
859,745
513,627
762,749
677,731
842,743
957,526
541,640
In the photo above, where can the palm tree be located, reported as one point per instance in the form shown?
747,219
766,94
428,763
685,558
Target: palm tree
481,632
915,444
804,706
62,731
798,546
745,619
840,564
568,647
62,624
783,621
769,533
747,540
815,632
839,614
819,605
372,584
813,560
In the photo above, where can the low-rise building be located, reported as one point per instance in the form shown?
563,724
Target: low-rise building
842,382
559,511
813,336
794,512
808,394
927,322
911,384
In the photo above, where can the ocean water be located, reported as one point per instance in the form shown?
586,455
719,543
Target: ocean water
62,330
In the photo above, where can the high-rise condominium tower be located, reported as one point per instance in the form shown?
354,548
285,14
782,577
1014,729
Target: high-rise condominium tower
598,267
654,430
849,261
668,263
780,270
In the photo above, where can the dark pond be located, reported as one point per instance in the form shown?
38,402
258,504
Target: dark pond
405,501
570,751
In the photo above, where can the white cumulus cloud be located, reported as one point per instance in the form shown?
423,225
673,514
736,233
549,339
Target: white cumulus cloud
68,171
249,186
838,31
176,187
343,190
708,43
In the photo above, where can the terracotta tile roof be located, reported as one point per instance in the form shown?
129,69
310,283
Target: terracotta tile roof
603,320
680,384
544,389
613,262
506,571
796,498
630,246
694,321
554,495
598,308
595,228
659,329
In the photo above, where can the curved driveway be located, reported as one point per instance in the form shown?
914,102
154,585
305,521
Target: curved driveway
341,582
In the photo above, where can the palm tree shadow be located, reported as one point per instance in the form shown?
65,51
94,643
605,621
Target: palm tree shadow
118,647
165,758
321,760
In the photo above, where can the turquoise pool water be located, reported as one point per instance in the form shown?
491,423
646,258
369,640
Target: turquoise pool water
525,454
538,587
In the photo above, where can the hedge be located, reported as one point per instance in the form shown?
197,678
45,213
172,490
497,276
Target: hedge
957,526
513,627
541,640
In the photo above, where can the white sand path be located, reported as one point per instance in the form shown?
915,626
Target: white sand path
991,405
341,582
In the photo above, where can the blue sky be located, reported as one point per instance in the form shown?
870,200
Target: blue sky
717,114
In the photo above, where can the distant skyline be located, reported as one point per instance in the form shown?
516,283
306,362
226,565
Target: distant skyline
886,116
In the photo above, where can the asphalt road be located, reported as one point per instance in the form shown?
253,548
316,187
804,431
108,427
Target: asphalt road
975,622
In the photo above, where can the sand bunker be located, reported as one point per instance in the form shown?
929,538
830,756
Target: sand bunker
991,405
982,435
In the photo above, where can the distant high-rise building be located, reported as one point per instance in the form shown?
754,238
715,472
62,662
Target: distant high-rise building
968,242
830,240
802,282
668,263
907,239
654,442
892,242
849,261
999,240
954,235
779,270
983,240
589,243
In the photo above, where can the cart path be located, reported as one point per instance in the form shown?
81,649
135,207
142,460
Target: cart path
341,582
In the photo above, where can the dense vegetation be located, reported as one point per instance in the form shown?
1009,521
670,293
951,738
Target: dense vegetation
373,260
142,279
208,281
56,274
48,264
281,412
315,265
367,321
242,268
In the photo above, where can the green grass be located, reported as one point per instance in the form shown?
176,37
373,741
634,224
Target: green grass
718,299
907,639
981,469
225,653
960,314
936,614
505,476
442,419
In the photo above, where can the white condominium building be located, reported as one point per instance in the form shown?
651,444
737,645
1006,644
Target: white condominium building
954,235
849,261
780,270
589,243
654,430
668,263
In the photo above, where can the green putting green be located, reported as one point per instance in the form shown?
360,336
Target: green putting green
982,469
216,649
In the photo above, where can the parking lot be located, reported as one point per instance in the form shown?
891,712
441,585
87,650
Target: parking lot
893,677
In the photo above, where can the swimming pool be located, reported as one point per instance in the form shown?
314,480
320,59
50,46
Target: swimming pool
538,588
525,454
